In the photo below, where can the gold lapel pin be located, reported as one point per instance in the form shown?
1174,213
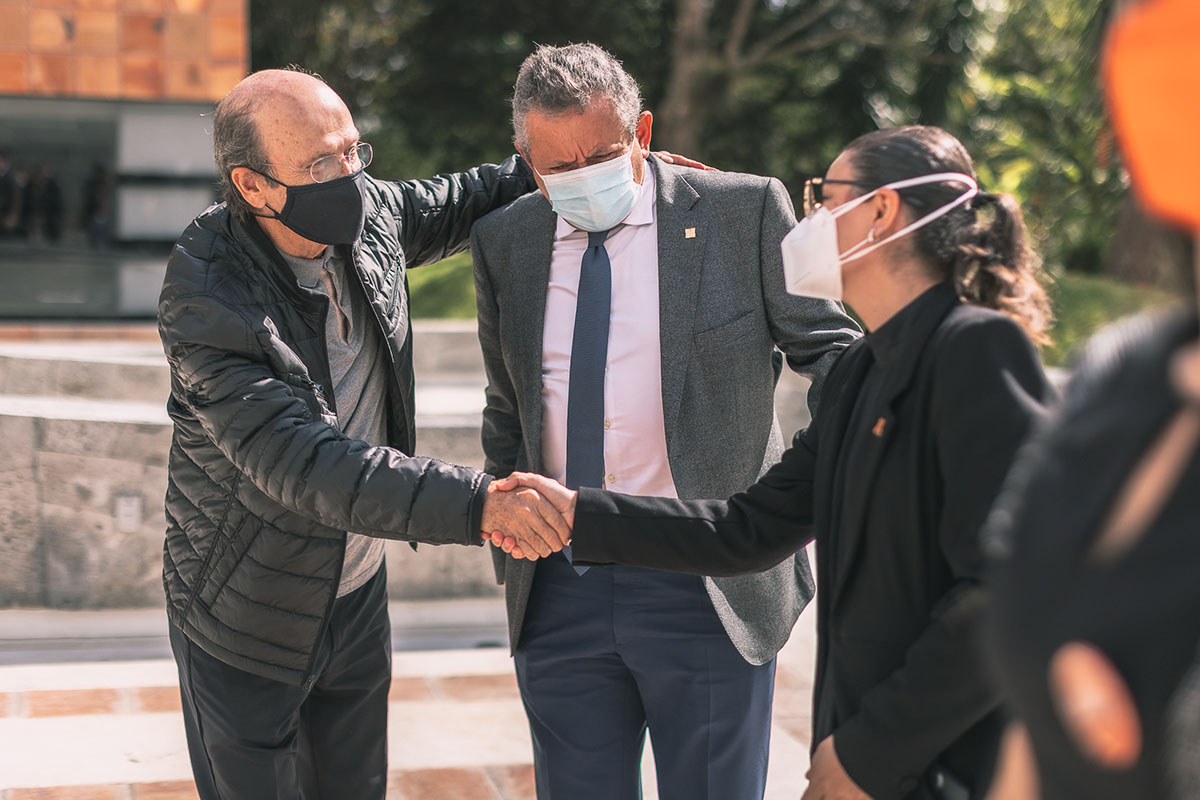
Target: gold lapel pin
880,424
689,233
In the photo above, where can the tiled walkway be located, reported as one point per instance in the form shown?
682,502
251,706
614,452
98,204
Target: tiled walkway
112,731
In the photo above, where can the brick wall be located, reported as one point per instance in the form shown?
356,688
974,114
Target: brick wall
123,49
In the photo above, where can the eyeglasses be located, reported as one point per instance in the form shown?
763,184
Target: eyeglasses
814,194
328,168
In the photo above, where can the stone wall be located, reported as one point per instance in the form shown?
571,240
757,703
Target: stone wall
81,504
83,471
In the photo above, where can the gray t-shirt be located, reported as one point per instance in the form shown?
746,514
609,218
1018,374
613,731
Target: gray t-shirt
359,369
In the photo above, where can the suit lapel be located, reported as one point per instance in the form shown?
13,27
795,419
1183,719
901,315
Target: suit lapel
881,418
681,246
525,316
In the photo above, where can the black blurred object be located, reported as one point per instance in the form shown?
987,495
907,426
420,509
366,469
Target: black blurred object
10,195
98,207
41,206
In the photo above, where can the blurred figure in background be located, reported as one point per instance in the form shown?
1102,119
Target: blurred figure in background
41,206
98,206
1097,533
9,196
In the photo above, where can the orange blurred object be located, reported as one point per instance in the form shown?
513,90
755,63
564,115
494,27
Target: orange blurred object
1152,79
1095,705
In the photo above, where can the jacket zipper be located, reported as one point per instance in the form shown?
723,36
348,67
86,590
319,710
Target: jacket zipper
310,676
382,334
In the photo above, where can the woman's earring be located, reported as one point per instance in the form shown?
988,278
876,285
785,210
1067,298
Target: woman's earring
871,236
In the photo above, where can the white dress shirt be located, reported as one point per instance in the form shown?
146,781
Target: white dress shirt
635,441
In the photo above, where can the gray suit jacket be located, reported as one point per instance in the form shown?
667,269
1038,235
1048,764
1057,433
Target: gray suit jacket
723,312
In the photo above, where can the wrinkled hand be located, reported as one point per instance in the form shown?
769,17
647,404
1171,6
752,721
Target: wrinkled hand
680,161
828,779
526,518
562,498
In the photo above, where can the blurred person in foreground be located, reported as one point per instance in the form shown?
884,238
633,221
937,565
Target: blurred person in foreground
630,315
917,427
1096,633
284,316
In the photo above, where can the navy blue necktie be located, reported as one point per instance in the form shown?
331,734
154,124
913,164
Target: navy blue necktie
589,358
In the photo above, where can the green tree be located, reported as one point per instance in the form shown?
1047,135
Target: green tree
769,86
1034,112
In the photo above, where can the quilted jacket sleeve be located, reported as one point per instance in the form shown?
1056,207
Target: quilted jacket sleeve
256,421
436,214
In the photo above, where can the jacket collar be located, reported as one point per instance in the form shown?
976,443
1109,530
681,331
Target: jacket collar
887,342
902,348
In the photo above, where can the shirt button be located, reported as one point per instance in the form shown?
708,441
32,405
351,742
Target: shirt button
607,424
612,479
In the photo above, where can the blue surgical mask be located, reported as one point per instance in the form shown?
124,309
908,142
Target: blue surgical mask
595,198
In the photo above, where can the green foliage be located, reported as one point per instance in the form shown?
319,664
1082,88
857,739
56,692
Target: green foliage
1034,118
429,80
444,290
1084,303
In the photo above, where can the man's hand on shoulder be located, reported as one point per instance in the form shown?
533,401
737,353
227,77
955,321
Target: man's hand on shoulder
680,161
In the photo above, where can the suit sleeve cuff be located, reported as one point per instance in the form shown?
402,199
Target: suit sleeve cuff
589,546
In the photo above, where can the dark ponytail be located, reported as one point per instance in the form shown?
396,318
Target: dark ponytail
980,246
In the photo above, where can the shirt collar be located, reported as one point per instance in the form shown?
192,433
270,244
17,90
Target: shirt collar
308,270
642,213
890,337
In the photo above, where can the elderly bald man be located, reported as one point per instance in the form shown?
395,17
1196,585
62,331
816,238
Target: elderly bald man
285,319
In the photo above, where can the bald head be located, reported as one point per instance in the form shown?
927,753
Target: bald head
277,122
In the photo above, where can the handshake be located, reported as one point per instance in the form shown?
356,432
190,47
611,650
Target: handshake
528,516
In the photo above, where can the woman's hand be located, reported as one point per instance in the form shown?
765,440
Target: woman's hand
827,779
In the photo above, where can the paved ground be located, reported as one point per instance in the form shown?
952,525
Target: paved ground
112,730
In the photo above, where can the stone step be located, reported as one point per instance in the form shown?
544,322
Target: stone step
82,363
446,348
109,370
44,636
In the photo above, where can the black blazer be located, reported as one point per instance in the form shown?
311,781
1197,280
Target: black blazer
898,678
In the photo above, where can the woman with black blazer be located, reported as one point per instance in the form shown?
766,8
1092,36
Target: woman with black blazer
917,426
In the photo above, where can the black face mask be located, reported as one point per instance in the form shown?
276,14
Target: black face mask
326,213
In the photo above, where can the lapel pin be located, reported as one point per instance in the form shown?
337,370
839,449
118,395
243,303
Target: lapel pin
689,233
880,424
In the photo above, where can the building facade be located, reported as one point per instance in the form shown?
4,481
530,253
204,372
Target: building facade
105,152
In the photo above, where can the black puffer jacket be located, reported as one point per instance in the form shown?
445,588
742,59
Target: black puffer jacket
262,485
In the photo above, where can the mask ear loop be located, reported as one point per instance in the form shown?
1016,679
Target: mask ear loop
862,248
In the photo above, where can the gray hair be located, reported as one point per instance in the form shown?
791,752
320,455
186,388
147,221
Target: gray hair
553,80
236,143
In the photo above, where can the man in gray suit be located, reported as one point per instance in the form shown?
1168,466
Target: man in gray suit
629,315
